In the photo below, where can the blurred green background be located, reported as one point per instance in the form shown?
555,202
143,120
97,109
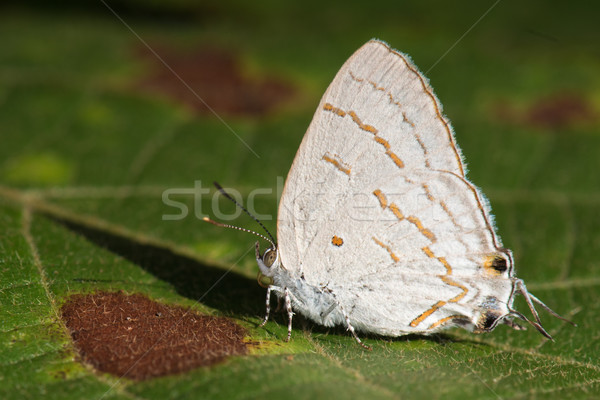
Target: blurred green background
98,119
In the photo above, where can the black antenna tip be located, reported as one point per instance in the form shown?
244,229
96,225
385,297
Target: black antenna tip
224,193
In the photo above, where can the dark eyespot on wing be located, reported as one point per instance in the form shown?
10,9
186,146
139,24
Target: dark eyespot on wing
500,264
488,321
495,264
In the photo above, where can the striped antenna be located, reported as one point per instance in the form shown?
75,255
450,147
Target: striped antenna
210,221
224,193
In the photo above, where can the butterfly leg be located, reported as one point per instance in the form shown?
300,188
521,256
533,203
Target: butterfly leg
348,324
288,307
351,329
268,307
529,298
513,325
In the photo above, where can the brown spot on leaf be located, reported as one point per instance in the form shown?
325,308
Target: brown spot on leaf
558,111
217,77
138,338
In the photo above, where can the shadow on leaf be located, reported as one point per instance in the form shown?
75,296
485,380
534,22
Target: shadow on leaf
223,290
217,288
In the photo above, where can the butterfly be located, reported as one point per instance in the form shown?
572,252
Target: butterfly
379,229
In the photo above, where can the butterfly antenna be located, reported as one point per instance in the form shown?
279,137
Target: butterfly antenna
210,221
224,193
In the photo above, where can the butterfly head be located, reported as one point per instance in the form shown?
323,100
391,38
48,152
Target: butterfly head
268,264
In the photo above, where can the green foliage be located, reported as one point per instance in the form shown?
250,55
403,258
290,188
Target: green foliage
86,156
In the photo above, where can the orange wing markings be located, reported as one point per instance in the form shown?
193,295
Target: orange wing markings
381,197
383,142
429,92
444,321
367,128
377,87
442,204
432,198
337,162
335,110
443,261
341,113
447,280
428,252
450,282
408,121
383,202
395,159
427,313
447,211
405,118
425,152
337,241
427,89
389,152
394,101
357,79
428,192
396,211
388,248
361,125
424,231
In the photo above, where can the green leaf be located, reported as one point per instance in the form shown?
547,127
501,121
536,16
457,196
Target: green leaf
103,147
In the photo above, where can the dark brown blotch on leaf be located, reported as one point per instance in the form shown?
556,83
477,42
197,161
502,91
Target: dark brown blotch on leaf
560,111
138,338
555,112
217,78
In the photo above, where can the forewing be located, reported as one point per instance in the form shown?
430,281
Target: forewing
378,122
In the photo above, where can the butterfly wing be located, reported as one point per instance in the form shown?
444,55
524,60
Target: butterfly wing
377,208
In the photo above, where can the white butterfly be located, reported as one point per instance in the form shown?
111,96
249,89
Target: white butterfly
379,229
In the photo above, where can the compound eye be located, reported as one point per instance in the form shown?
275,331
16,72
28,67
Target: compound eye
269,257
